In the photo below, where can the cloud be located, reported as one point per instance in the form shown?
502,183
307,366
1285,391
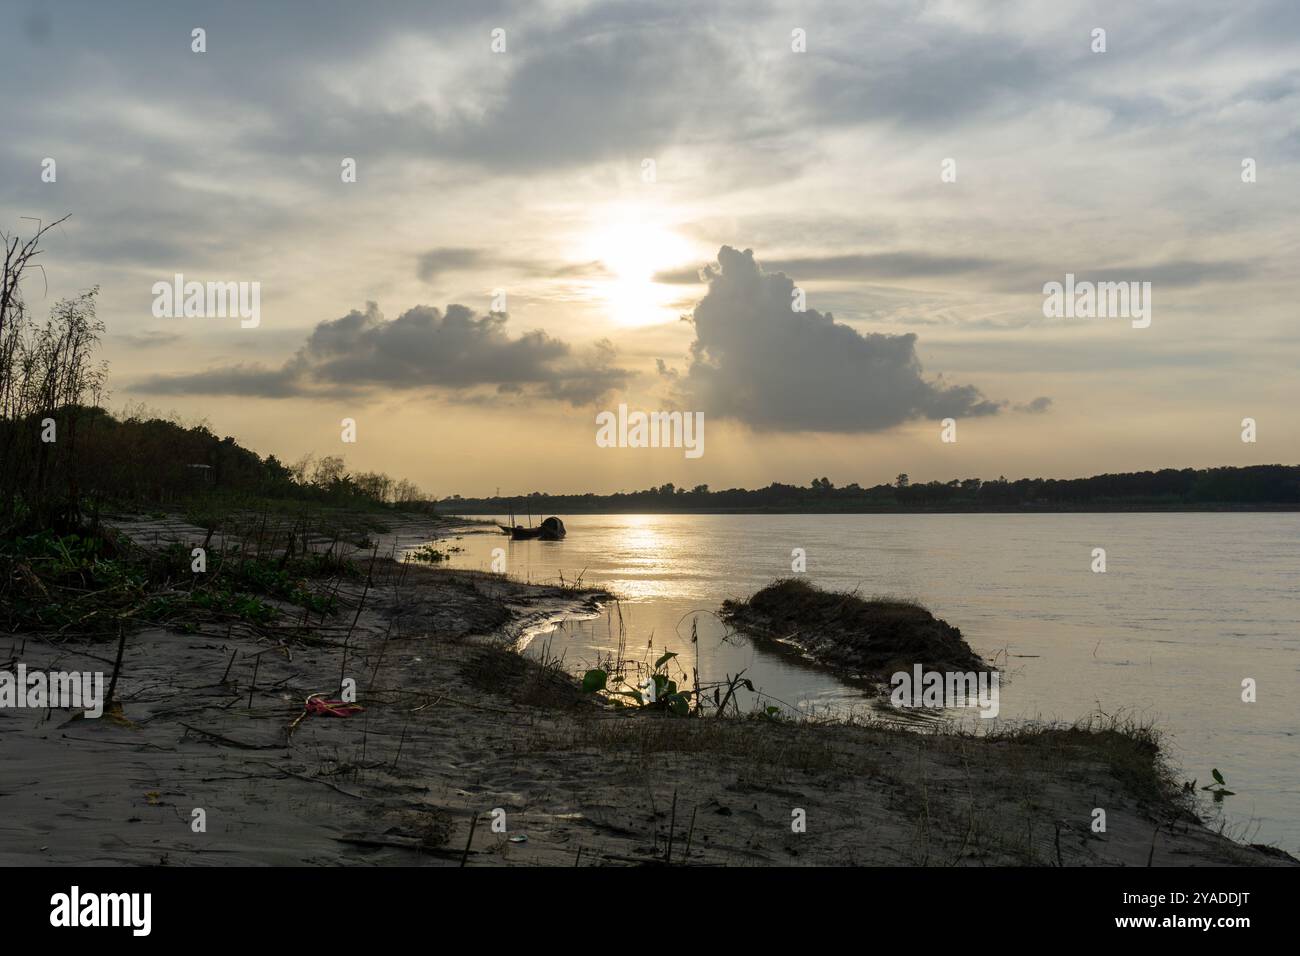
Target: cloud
927,75
608,81
457,350
148,339
757,361
1036,407
857,266
248,381
432,264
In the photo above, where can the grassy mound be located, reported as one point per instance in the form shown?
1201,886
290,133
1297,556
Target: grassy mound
870,638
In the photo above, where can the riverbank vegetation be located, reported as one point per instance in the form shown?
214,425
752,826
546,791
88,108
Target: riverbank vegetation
65,460
861,637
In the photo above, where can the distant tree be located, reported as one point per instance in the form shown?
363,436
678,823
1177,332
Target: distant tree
300,468
328,471
902,481
407,492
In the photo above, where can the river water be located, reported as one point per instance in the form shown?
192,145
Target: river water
1189,606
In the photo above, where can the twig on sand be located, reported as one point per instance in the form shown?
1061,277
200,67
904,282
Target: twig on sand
117,664
417,846
231,663
332,786
242,745
116,743
473,822
257,662
399,745
672,826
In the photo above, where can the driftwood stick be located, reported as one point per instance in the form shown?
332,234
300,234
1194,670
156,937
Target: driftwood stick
117,664
689,834
257,662
228,740
230,664
473,822
672,825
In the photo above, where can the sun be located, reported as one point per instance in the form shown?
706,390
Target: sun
632,252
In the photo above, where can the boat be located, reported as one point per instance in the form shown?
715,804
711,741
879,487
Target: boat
552,529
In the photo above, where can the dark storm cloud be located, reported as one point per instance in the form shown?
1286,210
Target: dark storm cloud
756,360
424,347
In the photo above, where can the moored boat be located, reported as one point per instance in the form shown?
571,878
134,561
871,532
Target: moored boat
552,529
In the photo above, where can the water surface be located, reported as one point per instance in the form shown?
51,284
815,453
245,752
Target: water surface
1189,606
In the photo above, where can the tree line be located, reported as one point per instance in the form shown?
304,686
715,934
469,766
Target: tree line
1253,486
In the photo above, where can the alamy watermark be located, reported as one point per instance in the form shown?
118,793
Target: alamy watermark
39,690
220,300
942,689
626,429
1098,300
75,908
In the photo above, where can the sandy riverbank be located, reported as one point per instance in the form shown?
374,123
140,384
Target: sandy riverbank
456,725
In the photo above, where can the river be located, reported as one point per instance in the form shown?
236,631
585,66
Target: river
1189,606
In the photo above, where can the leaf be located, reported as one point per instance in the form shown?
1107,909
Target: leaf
677,705
1218,777
594,680
665,659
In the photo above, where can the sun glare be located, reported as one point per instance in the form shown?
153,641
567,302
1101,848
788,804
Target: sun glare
632,253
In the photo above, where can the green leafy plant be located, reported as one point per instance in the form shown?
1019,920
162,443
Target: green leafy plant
1219,788
430,554
659,691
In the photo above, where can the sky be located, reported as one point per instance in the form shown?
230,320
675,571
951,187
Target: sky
827,227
